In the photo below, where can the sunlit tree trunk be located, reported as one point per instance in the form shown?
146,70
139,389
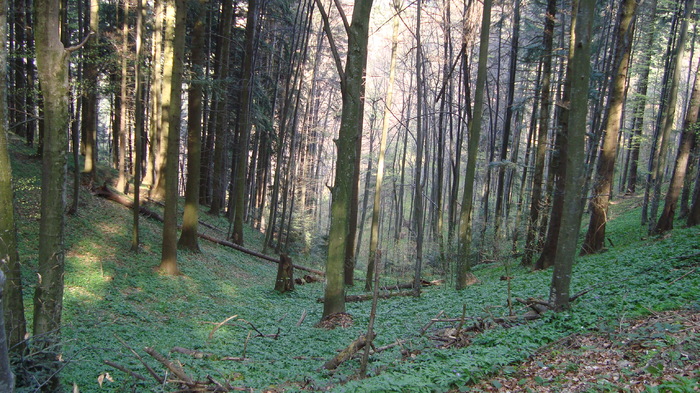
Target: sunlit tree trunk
374,231
578,72
690,128
640,99
188,237
351,124
173,53
155,151
122,183
465,220
669,114
602,188
537,202
512,70
89,105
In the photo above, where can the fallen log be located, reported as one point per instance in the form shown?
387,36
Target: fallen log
108,194
364,298
347,353
423,283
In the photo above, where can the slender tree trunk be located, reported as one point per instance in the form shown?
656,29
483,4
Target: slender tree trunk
669,116
512,71
221,115
52,63
89,105
155,150
173,54
578,72
465,220
351,121
420,141
15,325
602,189
244,124
690,128
188,236
641,99
537,202
374,231
122,183
139,119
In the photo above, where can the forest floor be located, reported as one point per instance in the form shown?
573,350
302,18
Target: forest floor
636,328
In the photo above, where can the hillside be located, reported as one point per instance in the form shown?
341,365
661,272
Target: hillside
114,302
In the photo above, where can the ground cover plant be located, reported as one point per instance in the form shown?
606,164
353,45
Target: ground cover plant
114,303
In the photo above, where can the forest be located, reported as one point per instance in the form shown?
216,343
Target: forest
349,195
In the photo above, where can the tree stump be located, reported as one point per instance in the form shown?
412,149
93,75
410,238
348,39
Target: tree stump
285,275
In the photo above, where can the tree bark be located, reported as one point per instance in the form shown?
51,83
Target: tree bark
244,124
173,53
420,141
602,189
537,202
352,81
465,220
89,105
15,325
667,118
374,231
578,72
139,118
690,128
188,236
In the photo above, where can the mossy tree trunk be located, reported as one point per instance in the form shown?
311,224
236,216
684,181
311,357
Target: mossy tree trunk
352,82
578,72
465,218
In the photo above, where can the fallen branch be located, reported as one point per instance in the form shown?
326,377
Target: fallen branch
347,353
364,298
124,369
191,352
108,194
424,283
175,369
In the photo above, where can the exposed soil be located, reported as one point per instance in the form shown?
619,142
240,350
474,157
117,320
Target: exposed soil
662,349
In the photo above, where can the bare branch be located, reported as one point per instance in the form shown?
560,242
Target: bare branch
82,43
331,43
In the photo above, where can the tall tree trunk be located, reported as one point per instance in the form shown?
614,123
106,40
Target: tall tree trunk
374,231
139,118
602,188
244,124
89,105
640,99
122,183
173,54
537,202
155,151
690,128
578,73
352,81
694,213
52,63
188,236
512,70
15,325
669,114
420,141
221,115
465,219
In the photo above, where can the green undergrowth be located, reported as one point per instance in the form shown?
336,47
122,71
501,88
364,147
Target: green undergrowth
114,301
